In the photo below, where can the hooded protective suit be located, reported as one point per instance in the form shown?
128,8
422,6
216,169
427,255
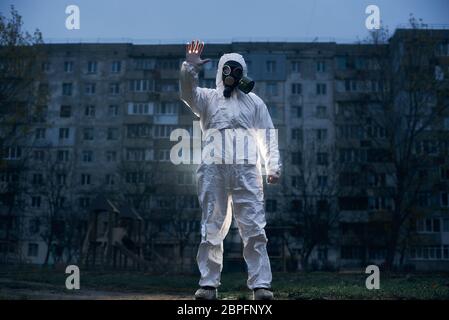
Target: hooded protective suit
237,186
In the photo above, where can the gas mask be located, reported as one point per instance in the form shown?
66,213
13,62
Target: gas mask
232,75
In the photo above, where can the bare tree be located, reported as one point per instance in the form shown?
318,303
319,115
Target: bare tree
22,96
314,214
54,181
406,102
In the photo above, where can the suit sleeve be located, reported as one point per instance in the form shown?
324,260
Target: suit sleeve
194,97
267,139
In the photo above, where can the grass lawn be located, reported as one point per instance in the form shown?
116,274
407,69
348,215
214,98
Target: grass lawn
314,285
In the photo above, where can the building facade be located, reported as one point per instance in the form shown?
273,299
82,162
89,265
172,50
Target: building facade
106,130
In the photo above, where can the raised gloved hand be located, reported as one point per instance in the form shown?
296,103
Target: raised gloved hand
193,53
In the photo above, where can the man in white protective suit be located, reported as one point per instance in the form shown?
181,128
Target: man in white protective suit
232,180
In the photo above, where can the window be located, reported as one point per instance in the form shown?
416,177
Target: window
295,66
429,252
36,201
89,111
89,88
113,110
321,134
144,64
114,89
444,173
296,158
12,153
297,181
376,179
68,66
140,108
445,225
272,88
67,89
380,203
88,133
321,88
353,203
38,155
167,108
376,131
33,250
270,66
322,158
38,179
116,66
138,130
84,202
34,225
46,66
171,86
141,85
296,111
321,111
138,154
113,134
40,133
428,225
443,49
271,205
322,181
296,88
88,155
444,196
65,111
320,66
62,155
341,63
111,156
92,67
296,134
61,179
163,131
446,123
185,178
64,133
350,85
169,64
85,179
350,132
163,155
110,179
424,199
360,63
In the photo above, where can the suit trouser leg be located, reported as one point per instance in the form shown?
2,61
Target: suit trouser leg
215,222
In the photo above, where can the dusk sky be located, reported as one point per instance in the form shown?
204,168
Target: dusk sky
176,21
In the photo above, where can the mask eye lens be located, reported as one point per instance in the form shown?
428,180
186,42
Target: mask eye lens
237,72
226,70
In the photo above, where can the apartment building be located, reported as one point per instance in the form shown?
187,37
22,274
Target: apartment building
112,107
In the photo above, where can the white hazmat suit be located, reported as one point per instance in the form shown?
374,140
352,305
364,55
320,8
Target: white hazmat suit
236,186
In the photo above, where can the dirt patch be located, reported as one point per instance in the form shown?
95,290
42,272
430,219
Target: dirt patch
25,290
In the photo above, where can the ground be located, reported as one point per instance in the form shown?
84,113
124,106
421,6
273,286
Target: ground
38,283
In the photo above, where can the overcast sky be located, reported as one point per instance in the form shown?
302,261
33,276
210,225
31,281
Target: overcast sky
219,21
